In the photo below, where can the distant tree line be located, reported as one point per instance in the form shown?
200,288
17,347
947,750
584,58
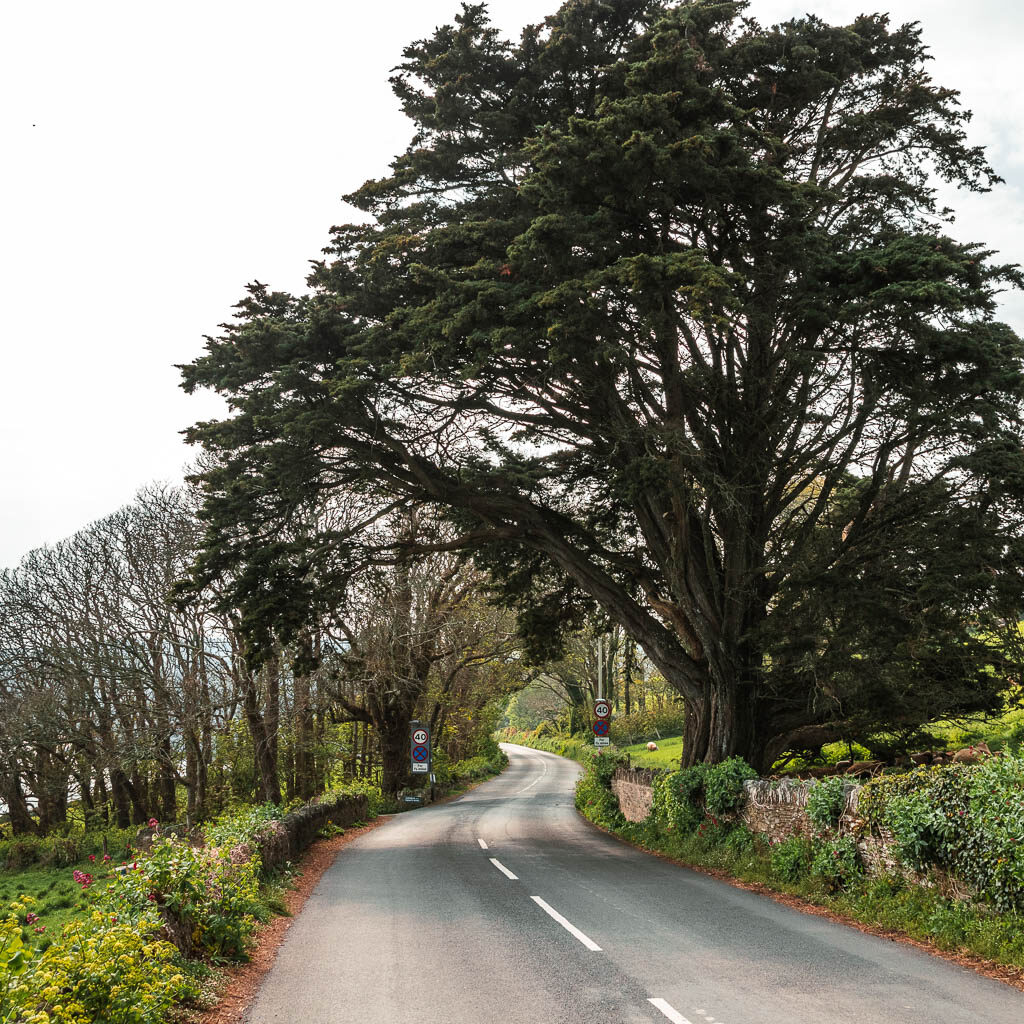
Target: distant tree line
121,690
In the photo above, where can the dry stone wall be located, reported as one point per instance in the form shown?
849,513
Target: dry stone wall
634,787
777,809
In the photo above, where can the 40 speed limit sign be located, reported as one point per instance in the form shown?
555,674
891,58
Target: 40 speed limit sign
602,709
419,749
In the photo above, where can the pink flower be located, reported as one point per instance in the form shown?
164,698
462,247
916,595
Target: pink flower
40,929
92,857
152,897
31,918
106,857
153,823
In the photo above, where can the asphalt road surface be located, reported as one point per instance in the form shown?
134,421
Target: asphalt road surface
505,907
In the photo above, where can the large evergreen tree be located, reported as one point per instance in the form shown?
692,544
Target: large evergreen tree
659,306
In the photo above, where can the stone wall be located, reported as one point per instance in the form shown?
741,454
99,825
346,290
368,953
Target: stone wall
284,840
634,788
777,809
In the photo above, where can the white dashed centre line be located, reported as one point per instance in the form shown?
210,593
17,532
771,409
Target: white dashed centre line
501,867
570,928
483,845
673,1014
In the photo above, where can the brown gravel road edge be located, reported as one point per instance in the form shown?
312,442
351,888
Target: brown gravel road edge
1012,976
241,983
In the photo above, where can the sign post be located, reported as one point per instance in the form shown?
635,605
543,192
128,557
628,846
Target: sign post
419,748
602,716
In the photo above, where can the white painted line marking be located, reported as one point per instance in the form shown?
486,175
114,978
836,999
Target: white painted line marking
673,1015
544,765
570,928
501,867
483,845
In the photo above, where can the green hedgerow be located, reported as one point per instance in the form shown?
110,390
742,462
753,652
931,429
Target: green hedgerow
240,826
214,900
966,819
723,785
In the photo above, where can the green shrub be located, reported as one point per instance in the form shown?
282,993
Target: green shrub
594,796
920,829
723,785
376,801
202,892
240,826
965,819
791,859
676,803
826,800
835,861
100,969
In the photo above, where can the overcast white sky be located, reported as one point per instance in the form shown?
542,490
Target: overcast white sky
158,157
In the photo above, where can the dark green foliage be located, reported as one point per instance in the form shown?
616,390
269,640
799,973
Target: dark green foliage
659,309
965,819
677,799
594,796
723,785
683,800
835,861
791,858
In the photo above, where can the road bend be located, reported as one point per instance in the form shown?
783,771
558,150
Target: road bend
505,907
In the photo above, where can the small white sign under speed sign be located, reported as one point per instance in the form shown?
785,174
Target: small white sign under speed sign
419,736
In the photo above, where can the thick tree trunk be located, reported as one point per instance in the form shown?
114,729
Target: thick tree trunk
394,751
264,750
22,822
122,805
166,784
304,784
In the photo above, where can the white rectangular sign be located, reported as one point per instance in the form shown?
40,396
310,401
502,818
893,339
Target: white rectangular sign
601,741
420,768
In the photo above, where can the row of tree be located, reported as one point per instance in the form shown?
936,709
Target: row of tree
122,689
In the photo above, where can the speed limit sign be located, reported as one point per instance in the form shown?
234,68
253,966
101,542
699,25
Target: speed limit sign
419,736
602,709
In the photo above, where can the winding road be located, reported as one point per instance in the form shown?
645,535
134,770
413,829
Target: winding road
505,907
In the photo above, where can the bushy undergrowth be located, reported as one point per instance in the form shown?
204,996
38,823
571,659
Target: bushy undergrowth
63,848
594,796
683,799
201,894
967,820
826,800
104,969
241,825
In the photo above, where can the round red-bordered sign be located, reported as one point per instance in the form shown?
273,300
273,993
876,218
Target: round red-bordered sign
602,709
420,736
601,727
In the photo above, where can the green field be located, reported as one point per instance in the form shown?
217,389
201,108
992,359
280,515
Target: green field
58,898
669,751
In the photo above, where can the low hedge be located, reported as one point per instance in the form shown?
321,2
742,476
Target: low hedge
967,820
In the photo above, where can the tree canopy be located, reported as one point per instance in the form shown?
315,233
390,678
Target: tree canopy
660,309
